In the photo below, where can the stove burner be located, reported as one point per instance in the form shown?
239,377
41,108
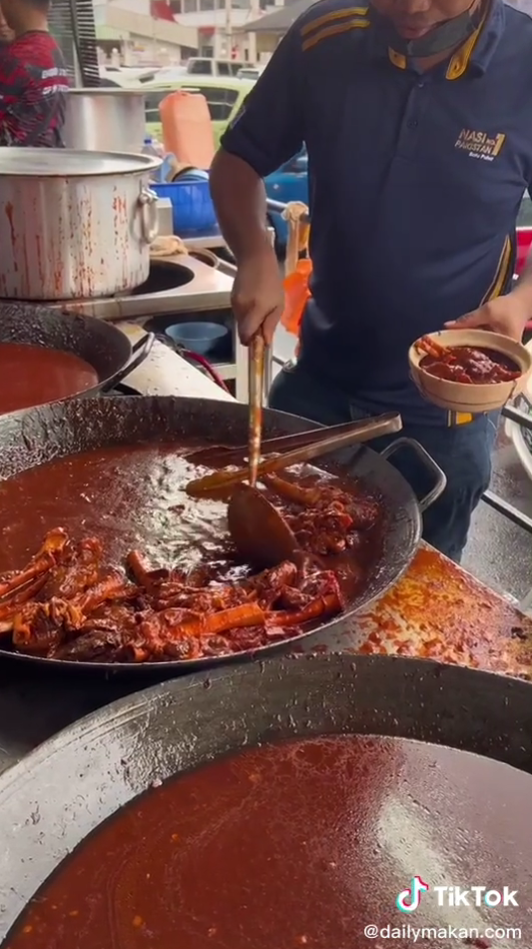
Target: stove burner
163,277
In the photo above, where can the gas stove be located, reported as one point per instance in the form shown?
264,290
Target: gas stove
175,285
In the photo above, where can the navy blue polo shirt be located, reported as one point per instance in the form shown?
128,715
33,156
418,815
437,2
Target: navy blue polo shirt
415,182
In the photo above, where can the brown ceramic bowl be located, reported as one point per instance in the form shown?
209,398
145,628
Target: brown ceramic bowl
471,398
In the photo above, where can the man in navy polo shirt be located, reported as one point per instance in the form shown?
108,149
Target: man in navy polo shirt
417,117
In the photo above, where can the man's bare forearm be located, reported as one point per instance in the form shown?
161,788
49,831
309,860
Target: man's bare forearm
239,197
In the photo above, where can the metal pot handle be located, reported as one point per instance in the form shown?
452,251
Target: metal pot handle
427,461
139,352
148,211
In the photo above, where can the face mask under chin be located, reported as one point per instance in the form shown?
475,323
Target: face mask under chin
444,37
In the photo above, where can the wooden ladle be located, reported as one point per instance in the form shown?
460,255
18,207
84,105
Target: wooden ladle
258,530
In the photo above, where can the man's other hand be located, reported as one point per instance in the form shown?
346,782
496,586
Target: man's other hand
258,296
507,315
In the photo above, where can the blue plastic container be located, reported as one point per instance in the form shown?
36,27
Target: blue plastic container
205,339
192,207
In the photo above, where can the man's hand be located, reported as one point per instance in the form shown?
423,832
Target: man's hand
506,315
258,295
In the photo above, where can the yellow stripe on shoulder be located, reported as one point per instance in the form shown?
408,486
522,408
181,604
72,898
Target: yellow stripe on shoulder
334,30
332,17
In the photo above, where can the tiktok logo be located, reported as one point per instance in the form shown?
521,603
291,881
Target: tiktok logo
409,900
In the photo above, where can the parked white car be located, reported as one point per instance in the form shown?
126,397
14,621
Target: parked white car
250,72
127,77
206,66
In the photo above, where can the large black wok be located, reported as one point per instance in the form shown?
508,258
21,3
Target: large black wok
62,791
54,431
103,346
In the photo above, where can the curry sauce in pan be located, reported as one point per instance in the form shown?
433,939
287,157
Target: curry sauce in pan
34,375
300,845
127,507
127,497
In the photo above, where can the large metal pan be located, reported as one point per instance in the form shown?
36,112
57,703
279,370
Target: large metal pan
58,430
101,345
64,790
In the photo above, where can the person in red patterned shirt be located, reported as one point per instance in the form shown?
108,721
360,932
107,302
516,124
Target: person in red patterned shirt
33,78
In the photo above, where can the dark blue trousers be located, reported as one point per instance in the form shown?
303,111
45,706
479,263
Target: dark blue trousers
463,452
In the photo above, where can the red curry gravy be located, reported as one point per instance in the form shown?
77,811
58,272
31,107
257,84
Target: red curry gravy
34,375
300,844
131,497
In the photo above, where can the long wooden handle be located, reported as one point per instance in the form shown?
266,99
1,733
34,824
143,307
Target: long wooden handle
360,432
256,394
220,456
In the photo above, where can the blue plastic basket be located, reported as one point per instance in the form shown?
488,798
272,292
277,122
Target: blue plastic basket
192,208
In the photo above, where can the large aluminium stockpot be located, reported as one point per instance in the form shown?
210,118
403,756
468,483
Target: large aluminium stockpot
74,224
105,119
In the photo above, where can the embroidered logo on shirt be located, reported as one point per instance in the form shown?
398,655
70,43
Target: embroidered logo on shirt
480,144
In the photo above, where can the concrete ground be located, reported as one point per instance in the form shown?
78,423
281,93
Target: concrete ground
498,552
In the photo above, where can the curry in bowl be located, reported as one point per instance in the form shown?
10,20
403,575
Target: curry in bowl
470,371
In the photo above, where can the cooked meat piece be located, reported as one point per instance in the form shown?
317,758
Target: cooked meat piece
268,587
205,600
143,574
253,637
40,626
96,645
79,570
110,587
48,556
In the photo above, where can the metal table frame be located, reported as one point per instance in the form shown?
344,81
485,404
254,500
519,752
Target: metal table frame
494,501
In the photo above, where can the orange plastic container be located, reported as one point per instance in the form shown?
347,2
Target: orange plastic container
187,128
296,295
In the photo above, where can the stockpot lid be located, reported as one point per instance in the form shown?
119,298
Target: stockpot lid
71,163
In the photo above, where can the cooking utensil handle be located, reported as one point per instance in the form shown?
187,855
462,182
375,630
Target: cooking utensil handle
427,461
256,395
360,431
229,456
148,212
139,351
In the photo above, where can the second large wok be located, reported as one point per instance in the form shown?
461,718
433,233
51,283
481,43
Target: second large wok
103,346
61,430
63,792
